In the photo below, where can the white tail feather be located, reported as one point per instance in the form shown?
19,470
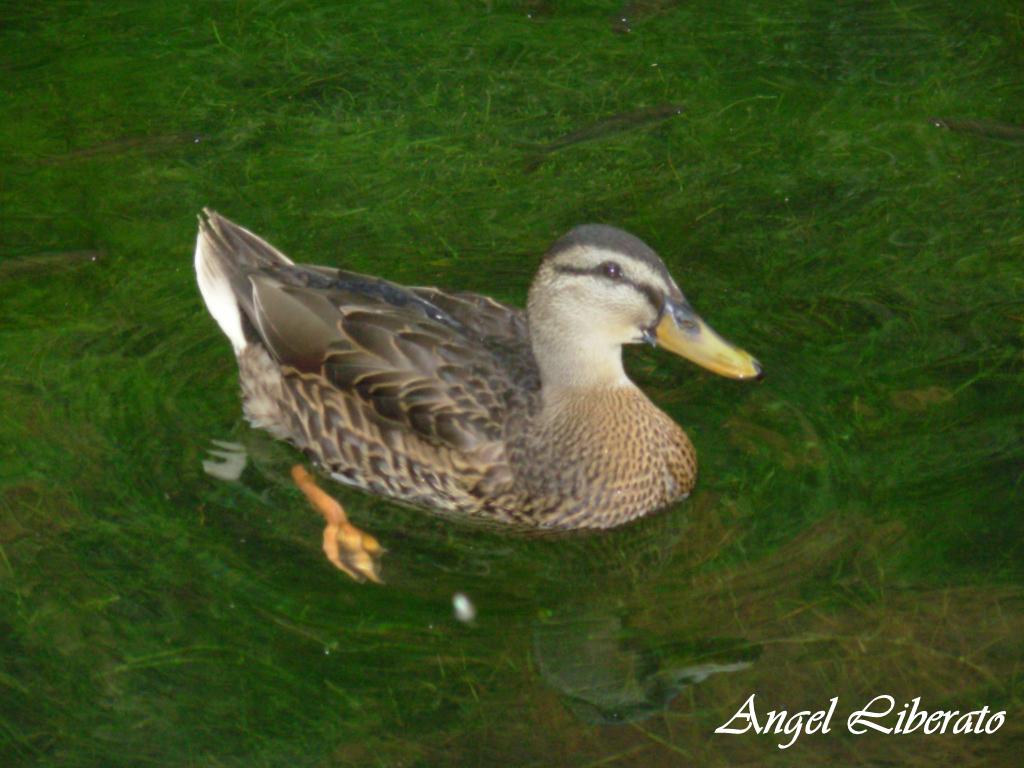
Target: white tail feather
215,287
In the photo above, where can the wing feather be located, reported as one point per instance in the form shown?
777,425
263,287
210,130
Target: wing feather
447,367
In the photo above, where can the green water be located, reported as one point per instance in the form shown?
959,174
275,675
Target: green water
857,528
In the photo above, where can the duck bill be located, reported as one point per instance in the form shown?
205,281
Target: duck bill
682,331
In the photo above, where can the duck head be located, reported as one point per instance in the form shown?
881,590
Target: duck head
599,288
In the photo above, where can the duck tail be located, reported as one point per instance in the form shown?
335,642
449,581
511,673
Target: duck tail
226,255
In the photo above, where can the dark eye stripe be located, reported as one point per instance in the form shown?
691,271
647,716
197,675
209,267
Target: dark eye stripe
652,295
648,292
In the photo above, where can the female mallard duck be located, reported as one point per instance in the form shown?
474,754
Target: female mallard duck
455,401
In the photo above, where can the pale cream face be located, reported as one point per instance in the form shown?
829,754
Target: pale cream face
610,298
600,288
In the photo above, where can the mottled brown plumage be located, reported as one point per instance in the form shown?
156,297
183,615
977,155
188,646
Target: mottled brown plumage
456,402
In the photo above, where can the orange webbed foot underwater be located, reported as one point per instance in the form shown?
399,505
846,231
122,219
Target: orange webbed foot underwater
351,550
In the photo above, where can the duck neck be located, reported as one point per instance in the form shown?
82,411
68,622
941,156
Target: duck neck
577,361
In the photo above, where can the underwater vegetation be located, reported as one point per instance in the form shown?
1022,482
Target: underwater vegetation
856,528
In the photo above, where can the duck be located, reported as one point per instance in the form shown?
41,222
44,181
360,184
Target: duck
455,402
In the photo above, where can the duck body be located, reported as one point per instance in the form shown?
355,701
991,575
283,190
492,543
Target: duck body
453,401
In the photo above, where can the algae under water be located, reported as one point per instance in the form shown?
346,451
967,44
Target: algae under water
857,528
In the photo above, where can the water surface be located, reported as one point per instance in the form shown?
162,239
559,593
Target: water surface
857,528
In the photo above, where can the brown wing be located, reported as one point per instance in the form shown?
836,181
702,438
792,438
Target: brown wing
447,367
487,317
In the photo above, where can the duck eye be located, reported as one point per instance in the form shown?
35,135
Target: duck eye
611,269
